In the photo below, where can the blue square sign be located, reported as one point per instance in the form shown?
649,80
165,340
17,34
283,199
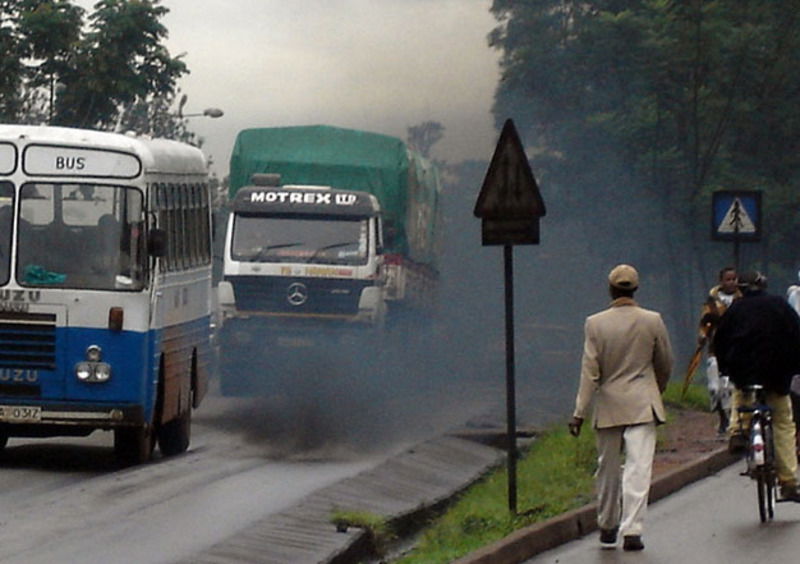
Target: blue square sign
736,215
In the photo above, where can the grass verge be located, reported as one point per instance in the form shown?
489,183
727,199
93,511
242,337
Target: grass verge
555,475
381,533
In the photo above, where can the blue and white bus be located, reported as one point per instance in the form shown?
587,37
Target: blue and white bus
105,287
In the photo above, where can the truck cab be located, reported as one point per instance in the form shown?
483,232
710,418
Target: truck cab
301,255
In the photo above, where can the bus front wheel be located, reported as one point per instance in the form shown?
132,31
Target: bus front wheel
174,436
133,445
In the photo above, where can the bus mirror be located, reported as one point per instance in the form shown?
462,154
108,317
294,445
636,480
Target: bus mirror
157,243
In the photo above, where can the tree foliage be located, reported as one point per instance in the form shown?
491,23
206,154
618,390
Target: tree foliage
119,62
11,68
96,73
684,82
648,106
422,137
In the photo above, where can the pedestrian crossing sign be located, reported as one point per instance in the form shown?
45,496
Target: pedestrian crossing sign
736,215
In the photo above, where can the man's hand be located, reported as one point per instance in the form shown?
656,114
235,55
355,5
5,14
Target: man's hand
575,426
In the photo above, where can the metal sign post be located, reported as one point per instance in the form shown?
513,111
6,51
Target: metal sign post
511,394
509,205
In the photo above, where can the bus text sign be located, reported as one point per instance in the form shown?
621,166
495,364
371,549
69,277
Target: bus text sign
70,161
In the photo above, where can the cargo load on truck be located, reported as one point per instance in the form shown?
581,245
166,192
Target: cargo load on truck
332,232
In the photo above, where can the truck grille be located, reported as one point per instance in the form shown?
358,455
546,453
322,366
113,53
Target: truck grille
309,295
28,340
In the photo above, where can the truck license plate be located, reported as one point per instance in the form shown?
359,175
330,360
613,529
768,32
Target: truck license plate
20,413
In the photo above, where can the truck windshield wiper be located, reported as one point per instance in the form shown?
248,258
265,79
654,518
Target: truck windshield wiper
261,252
331,246
279,246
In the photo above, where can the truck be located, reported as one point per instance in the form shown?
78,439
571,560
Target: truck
332,240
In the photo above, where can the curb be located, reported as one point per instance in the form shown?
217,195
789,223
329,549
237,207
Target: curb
535,539
400,489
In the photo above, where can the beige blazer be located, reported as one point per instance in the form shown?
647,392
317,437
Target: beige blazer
627,360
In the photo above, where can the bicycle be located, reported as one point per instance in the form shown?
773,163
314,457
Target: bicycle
760,455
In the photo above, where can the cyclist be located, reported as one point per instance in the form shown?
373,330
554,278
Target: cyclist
758,342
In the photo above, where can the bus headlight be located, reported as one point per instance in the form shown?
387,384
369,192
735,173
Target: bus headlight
93,369
97,372
83,371
102,372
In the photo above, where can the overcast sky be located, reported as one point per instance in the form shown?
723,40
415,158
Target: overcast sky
378,65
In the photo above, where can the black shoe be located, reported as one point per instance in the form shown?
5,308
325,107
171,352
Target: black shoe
790,493
737,444
632,542
608,538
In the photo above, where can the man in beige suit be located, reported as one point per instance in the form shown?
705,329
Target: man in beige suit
627,360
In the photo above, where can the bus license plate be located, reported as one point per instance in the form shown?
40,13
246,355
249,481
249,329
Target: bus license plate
20,413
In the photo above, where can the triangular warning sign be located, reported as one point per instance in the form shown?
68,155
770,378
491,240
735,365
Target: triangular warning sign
509,191
736,219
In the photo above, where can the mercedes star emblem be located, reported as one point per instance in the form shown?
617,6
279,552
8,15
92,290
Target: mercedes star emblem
297,294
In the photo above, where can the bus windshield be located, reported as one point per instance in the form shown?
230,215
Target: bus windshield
6,218
81,236
291,239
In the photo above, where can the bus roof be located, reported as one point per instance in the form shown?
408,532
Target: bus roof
156,155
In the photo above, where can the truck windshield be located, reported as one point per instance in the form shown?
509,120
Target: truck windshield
6,213
290,239
81,236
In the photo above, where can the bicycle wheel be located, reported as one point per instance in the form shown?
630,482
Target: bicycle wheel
763,489
770,477
771,494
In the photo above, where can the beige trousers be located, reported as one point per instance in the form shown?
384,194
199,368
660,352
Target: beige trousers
623,492
783,431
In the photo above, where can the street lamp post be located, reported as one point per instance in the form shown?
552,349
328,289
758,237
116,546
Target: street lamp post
208,112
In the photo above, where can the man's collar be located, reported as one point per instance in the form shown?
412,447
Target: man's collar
623,301
749,293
